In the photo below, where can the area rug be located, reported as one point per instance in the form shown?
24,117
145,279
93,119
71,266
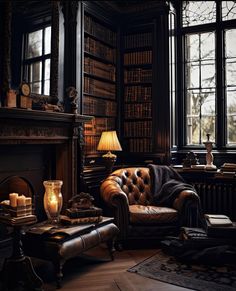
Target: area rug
195,276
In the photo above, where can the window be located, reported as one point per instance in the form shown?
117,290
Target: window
36,61
208,35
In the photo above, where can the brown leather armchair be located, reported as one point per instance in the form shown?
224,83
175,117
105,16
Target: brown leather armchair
128,193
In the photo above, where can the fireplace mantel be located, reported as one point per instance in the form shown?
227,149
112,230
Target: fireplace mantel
33,126
64,131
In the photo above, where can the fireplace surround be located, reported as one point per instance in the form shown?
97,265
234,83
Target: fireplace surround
39,145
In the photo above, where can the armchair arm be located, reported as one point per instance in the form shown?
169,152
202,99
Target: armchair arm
188,205
116,198
183,197
110,189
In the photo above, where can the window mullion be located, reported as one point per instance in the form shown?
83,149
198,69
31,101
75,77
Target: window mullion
220,88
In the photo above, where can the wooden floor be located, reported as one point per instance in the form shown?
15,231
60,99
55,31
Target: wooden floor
87,274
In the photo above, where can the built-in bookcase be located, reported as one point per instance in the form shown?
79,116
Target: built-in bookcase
99,96
138,76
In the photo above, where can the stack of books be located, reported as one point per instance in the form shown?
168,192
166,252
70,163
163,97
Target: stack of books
80,216
219,225
227,170
198,238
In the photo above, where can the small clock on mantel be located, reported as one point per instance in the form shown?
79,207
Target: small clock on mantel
25,101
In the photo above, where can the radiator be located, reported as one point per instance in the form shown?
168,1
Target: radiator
218,198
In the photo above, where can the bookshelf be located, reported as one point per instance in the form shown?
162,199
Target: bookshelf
99,88
137,61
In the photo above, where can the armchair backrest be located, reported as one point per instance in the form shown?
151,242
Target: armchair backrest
135,183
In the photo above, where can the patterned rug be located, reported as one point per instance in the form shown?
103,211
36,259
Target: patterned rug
195,276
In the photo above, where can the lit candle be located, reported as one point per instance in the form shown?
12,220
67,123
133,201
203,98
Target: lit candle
21,200
28,201
53,205
13,199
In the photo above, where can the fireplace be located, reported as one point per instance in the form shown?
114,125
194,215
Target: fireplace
39,145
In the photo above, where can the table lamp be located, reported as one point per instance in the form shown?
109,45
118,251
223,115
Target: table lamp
109,142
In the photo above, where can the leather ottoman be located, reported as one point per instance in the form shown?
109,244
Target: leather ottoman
60,244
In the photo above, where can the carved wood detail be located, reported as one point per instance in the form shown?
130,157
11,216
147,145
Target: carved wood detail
54,51
6,82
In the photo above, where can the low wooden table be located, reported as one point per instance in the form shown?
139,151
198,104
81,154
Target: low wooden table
58,244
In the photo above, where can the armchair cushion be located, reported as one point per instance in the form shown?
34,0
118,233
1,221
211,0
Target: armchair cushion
152,215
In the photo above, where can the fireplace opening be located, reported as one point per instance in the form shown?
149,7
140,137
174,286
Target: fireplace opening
23,169
15,184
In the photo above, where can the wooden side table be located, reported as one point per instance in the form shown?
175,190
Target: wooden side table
18,269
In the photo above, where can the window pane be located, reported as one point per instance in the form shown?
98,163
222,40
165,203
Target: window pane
36,87
47,41
231,72
193,75
231,115
200,115
228,10
35,77
46,87
36,72
47,77
192,45
34,48
198,12
207,44
200,85
230,89
230,43
207,74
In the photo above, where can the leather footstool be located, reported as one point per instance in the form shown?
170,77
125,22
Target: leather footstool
58,246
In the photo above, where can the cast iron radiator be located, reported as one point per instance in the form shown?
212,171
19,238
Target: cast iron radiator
218,198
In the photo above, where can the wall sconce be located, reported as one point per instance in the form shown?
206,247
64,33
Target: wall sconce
109,142
53,200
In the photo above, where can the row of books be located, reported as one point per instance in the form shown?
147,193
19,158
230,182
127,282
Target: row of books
140,145
99,69
91,143
93,27
137,75
100,50
99,88
138,40
93,106
136,58
138,93
138,128
99,124
141,110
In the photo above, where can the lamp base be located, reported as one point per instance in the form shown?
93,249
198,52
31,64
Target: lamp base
109,161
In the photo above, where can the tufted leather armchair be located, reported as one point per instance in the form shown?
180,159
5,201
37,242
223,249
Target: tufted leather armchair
127,192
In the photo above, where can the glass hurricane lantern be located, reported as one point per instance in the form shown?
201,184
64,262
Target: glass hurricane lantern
53,200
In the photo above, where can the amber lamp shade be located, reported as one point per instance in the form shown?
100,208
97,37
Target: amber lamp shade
53,200
109,142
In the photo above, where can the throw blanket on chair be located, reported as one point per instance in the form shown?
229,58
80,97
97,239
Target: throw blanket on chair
166,184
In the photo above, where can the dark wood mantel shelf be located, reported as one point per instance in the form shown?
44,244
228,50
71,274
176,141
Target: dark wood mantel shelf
31,126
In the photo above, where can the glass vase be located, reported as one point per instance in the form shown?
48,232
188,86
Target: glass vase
53,200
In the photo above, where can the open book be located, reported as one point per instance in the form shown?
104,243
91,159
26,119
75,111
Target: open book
218,220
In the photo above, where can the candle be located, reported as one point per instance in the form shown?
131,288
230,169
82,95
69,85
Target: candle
28,201
21,200
53,205
13,199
